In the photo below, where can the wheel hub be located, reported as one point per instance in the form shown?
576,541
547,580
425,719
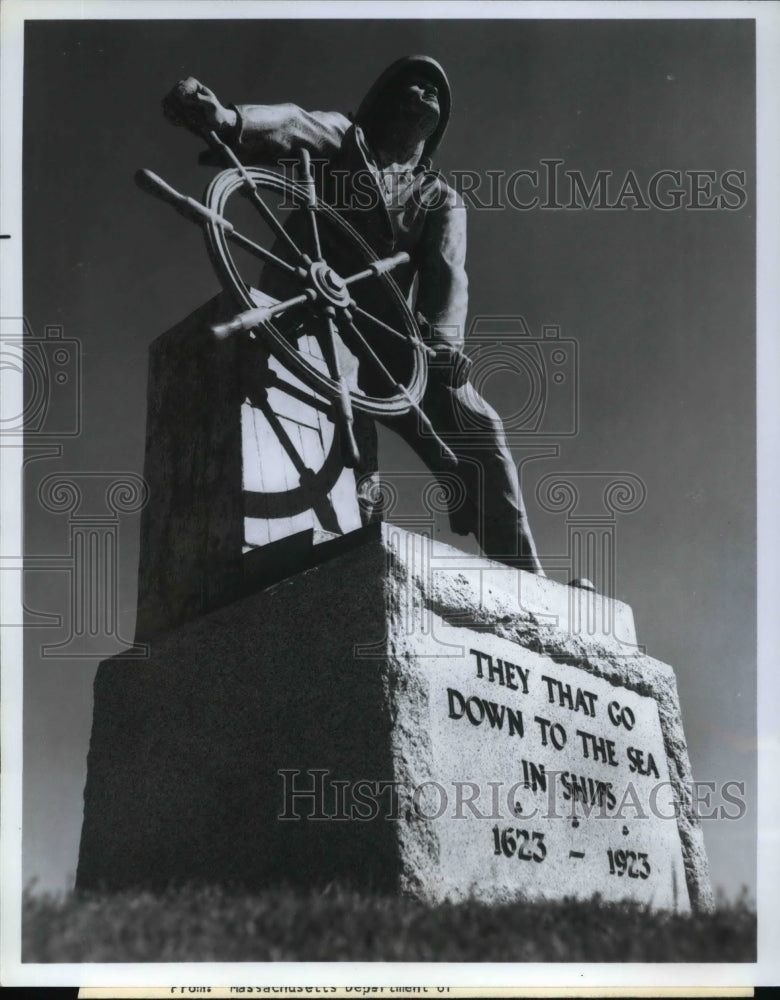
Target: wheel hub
329,285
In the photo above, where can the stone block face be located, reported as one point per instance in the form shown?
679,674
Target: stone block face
191,528
235,458
413,665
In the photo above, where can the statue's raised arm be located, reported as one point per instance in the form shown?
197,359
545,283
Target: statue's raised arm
261,133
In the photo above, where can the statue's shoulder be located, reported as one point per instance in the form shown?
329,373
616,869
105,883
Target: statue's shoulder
437,191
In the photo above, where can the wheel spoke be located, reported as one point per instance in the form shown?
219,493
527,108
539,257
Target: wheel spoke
274,223
409,341
311,202
279,230
377,360
194,210
254,317
258,251
400,388
343,403
378,267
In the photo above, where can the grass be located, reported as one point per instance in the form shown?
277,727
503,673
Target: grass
211,924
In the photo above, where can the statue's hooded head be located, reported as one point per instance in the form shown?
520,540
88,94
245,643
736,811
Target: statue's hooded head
411,99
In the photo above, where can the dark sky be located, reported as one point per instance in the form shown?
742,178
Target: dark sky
661,305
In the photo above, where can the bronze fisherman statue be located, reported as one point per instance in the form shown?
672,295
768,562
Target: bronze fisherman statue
377,174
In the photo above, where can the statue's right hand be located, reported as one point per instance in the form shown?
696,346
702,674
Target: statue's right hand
192,104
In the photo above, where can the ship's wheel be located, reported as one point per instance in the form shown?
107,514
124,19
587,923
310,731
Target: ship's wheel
319,286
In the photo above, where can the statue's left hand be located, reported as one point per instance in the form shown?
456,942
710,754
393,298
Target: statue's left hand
450,366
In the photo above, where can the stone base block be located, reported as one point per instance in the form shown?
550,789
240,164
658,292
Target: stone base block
401,717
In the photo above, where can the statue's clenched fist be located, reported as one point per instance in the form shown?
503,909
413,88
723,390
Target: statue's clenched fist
192,104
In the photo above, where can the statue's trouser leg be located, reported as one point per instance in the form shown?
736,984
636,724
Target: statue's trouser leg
493,508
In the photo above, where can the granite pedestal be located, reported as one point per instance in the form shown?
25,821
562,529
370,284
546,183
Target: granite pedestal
399,717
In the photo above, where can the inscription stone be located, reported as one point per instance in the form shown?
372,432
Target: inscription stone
557,781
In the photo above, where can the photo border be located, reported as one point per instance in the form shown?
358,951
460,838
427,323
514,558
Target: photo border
766,970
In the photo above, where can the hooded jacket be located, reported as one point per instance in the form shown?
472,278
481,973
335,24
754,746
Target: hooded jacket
425,218
424,66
